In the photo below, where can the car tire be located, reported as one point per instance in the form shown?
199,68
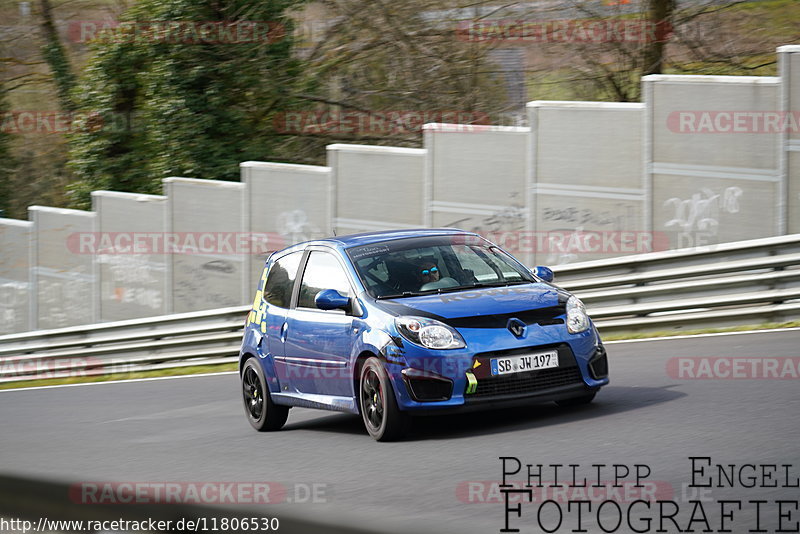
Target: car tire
577,401
263,414
382,418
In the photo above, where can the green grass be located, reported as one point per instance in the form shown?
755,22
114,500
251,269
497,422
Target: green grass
672,333
179,371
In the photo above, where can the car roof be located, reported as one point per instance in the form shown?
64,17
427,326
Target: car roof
368,238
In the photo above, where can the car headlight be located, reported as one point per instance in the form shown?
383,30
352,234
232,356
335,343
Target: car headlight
577,320
429,333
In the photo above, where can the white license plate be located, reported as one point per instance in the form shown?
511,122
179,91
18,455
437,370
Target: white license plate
524,362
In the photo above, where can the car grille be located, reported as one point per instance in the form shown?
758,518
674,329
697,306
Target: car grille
530,382
540,316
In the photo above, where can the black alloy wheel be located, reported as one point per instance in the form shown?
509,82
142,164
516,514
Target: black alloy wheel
382,418
263,414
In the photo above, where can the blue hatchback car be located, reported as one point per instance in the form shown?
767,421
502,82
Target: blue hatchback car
415,322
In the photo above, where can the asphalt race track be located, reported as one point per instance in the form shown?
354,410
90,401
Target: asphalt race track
194,430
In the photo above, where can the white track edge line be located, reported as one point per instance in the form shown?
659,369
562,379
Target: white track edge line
105,382
713,334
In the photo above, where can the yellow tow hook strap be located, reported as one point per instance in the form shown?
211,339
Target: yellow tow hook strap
472,385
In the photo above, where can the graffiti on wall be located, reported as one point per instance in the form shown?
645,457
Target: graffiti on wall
65,297
130,279
205,283
509,218
697,218
579,221
583,216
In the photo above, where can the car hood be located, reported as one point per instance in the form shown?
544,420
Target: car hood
478,302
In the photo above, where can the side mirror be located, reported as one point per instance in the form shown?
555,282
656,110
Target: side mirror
545,273
330,299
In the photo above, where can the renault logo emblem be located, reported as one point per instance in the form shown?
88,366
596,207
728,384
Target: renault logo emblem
516,327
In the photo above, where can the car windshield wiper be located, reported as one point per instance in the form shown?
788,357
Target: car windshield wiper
439,290
401,295
500,284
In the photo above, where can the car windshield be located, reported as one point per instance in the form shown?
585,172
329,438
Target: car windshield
436,264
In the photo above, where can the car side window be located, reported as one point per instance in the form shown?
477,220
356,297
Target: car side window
280,281
322,271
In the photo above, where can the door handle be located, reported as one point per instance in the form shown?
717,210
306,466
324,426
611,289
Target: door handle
284,328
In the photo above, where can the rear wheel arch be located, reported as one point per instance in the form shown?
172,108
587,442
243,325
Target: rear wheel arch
243,359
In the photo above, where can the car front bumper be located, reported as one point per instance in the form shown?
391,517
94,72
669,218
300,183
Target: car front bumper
430,381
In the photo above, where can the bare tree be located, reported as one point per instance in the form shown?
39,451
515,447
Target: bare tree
378,69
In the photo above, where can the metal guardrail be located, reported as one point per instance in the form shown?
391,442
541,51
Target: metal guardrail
746,282
733,283
181,340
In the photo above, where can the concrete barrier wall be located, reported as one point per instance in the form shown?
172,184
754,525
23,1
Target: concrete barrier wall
64,280
587,191
789,63
15,286
475,179
376,187
715,172
134,270
287,203
211,260
698,163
